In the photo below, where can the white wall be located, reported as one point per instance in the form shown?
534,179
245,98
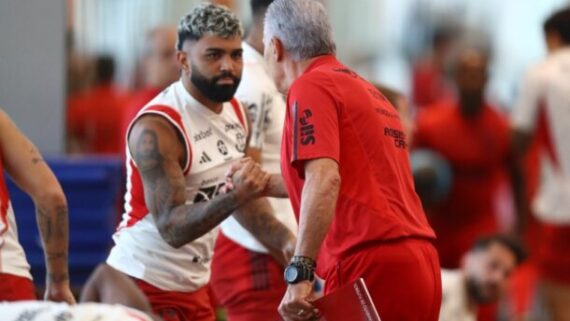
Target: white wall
32,69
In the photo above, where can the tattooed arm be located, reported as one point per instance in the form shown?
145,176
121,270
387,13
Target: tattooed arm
159,154
25,165
257,217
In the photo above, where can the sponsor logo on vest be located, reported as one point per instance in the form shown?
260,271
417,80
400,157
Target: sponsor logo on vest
240,142
205,158
222,148
203,134
233,126
205,194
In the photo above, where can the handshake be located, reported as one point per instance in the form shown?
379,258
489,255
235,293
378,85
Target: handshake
247,180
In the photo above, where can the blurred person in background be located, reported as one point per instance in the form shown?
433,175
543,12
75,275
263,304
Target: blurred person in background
429,80
94,116
20,159
482,278
473,137
543,111
179,147
79,67
252,289
159,69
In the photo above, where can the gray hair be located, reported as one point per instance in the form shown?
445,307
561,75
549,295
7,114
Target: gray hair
302,26
208,18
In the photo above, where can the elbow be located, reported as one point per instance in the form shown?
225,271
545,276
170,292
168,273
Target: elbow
167,233
51,198
174,244
170,232
334,180
329,179
324,174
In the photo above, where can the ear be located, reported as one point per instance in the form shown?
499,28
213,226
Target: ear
278,49
183,61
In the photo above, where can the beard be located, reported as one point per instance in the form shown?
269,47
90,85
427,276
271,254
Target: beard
476,291
209,87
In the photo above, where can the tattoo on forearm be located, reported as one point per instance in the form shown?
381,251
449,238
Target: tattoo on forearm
61,222
45,224
53,256
188,226
58,278
257,218
165,194
52,229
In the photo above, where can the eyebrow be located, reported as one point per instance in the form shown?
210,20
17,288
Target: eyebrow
223,50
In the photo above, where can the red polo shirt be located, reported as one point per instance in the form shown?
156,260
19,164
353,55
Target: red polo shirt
334,113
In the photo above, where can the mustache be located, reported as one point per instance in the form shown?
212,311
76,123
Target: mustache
225,74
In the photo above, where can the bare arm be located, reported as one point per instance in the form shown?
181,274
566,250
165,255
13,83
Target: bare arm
276,187
520,142
257,217
25,165
318,204
159,153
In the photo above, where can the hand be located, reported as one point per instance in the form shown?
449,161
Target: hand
249,181
296,305
234,167
59,292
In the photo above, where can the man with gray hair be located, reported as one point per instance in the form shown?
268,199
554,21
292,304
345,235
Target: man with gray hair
178,148
346,168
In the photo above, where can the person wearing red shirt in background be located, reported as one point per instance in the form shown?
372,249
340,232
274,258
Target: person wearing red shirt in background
94,117
346,169
160,69
474,139
429,83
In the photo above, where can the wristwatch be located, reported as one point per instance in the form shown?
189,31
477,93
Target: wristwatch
300,269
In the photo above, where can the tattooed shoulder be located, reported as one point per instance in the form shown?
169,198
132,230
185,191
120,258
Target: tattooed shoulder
146,150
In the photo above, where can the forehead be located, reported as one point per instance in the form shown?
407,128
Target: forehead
472,59
497,251
209,42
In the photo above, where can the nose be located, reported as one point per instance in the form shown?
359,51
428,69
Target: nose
227,65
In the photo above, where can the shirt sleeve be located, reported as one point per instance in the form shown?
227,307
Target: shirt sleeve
315,122
524,115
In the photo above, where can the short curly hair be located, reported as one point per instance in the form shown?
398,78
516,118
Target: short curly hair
208,18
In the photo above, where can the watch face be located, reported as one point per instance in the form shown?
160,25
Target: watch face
291,274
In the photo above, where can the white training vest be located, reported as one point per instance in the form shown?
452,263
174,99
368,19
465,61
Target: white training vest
544,108
266,107
12,257
213,141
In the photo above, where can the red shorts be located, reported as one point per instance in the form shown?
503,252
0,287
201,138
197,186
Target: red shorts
403,278
16,288
552,257
179,306
248,284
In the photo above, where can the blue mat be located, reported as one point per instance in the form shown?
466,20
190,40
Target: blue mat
92,187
